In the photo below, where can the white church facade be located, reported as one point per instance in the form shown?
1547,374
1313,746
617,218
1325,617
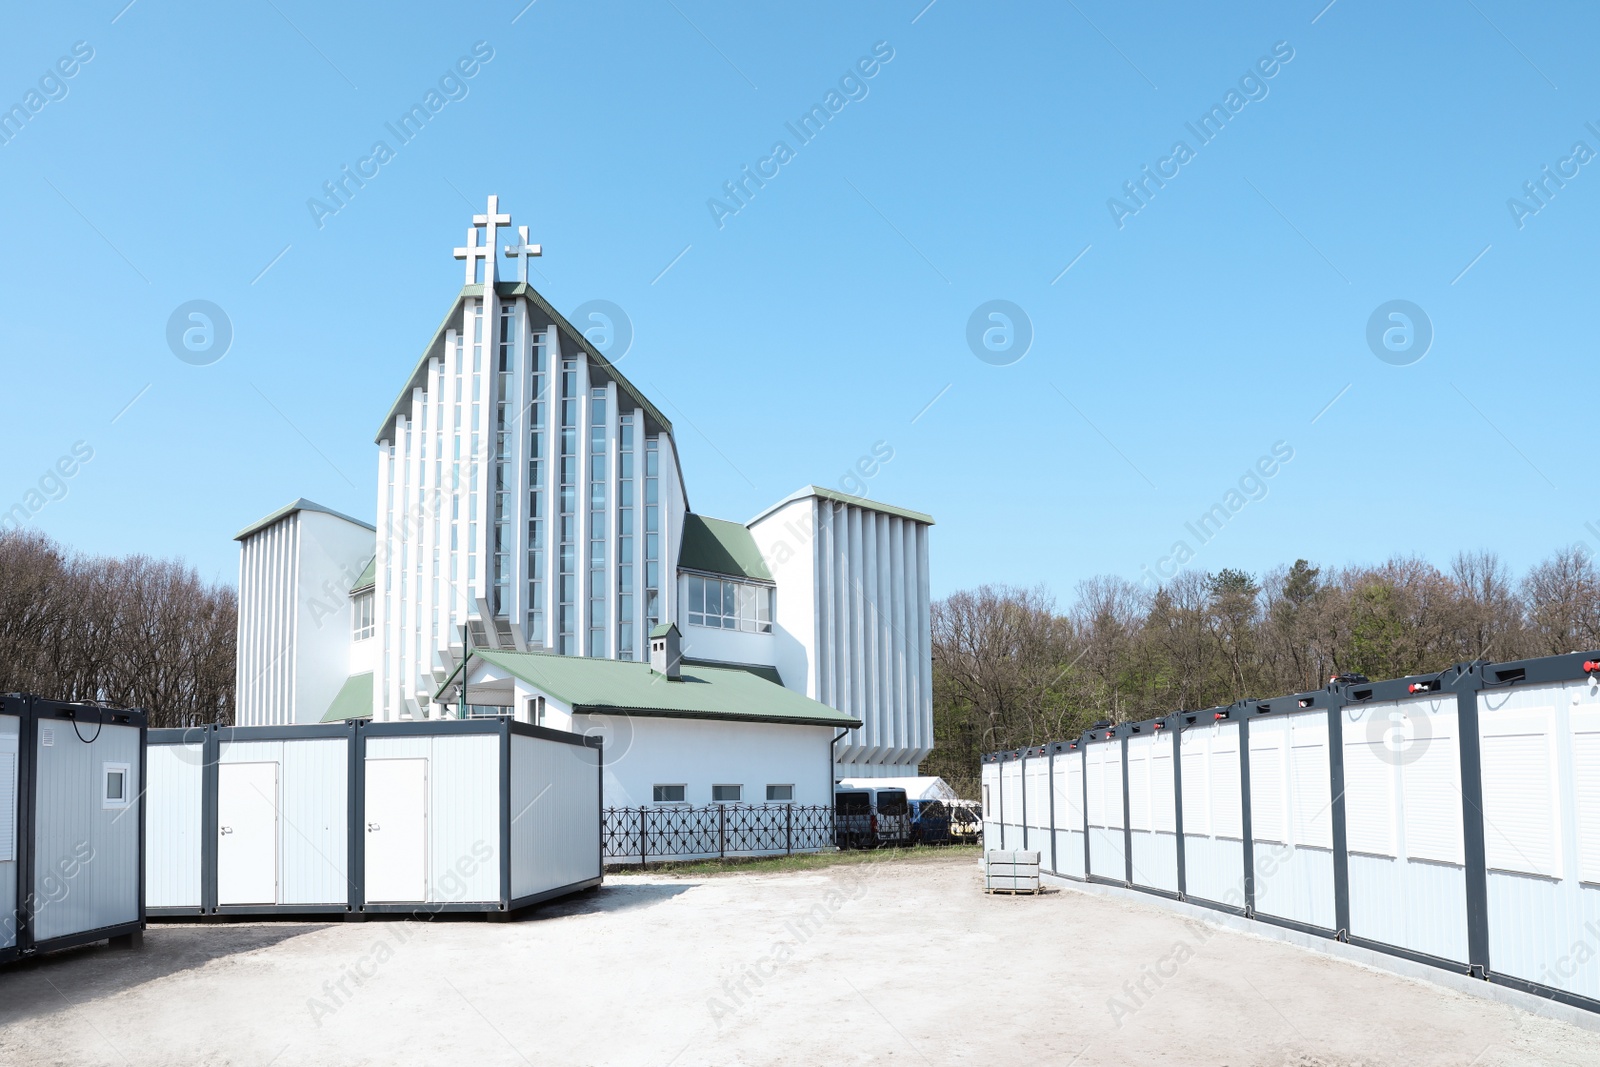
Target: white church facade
535,555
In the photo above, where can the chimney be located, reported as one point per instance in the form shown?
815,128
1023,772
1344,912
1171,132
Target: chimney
666,655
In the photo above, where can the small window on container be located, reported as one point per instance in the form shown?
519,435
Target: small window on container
114,793
726,794
668,794
783,793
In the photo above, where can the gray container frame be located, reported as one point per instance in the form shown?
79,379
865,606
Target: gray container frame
356,734
1465,680
30,710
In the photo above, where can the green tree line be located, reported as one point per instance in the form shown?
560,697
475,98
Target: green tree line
1010,669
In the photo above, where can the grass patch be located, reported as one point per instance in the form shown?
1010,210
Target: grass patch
806,861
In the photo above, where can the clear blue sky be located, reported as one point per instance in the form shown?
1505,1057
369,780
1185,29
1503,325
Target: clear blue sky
824,316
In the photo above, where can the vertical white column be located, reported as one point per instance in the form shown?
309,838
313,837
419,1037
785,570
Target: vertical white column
388,586
518,402
485,368
426,539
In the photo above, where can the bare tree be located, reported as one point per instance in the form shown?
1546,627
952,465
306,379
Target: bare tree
128,632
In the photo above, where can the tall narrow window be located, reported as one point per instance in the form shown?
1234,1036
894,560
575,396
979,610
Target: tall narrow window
652,532
597,521
567,610
625,430
536,490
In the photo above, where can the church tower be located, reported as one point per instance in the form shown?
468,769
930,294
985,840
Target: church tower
529,496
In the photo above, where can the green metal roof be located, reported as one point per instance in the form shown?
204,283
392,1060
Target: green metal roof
299,505
354,700
661,629
760,670
506,291
845,498
721,547
609,686
369,577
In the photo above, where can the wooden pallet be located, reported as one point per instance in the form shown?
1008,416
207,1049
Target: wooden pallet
1017,892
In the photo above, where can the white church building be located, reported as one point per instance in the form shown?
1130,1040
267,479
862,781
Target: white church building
535,555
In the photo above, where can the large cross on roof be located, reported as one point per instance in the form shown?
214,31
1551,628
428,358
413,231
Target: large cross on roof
490,222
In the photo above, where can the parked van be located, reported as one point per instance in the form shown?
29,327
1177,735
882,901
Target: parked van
870,818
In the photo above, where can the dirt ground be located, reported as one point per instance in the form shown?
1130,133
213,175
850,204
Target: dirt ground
902,962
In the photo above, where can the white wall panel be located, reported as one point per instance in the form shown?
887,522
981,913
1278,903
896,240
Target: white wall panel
463,811
555,815
86,866
1586,789
1544,922
1522,822
173,828
314,822
1291,818
10,730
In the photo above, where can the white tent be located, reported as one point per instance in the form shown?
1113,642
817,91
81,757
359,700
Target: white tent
916,788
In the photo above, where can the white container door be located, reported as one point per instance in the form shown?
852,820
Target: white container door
397,830
247,833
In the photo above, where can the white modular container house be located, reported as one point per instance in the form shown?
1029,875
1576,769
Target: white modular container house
71,825
1451,819
1105,801
1289,766
251,820
1153,807
477,815
1068,842
1404,820
1212,809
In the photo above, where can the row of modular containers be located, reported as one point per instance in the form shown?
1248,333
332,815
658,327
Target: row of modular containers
1451,819
71,825
477,815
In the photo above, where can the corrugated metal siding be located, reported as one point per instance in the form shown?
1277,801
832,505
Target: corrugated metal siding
314,822
1291,817
1541,823
1107,856
10,842
1152,812
1402,793
1011,802
555,815
1069,813
1213,845
173,825
1213,869
86,869
1036,786
990,776
1155,860
1107,850
1069,853
463,811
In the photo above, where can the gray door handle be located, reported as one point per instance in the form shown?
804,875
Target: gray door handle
371,826
227,830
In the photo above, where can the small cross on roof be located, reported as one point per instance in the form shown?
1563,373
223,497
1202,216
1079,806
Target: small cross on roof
522,251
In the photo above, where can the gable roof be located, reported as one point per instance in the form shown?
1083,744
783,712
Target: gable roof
284,512
353,701
718,546
845,498
623,687
507,291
